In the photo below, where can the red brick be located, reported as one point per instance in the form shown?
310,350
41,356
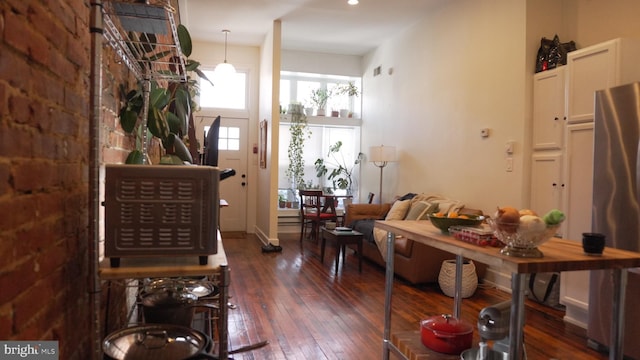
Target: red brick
6,321
15,70
5,178
32,176
19,32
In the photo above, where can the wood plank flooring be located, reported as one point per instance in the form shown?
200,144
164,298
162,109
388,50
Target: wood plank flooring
306,311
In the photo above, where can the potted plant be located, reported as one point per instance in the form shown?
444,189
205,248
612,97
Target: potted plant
282,201
169,109
341,173
299,131
319,98
352,91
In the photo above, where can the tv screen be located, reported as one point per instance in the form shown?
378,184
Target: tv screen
211,143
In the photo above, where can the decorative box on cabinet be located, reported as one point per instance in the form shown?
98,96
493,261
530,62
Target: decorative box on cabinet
548,109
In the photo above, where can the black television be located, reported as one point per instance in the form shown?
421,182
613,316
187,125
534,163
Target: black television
211,143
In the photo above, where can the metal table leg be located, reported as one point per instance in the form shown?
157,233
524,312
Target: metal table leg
388,289
617,316
457,295
516,322
223,329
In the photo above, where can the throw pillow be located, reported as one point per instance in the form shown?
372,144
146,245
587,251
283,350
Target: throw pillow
398,210
430,210
416,209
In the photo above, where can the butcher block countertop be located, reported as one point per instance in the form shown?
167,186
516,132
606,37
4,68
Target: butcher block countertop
559,254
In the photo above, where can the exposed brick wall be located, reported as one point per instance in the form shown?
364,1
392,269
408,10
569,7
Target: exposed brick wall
45,65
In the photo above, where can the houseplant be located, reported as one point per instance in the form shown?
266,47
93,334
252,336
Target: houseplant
351,90
341,173
319,98
169,109
299,131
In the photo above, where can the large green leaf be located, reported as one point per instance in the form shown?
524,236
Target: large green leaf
185,40
157,123
128,119
179,148
135,157
170,160
158,98
175,125
182,108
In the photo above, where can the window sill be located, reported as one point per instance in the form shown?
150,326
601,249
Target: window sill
325,120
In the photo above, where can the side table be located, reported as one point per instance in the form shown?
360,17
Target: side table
342,239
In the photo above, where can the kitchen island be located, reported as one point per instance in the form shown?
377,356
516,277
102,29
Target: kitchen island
559,255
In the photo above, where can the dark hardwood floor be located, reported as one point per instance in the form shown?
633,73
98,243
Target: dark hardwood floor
306,311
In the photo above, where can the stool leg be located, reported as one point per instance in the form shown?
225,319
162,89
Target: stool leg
360,255
322,244
337,254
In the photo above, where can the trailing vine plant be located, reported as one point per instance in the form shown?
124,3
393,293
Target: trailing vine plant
300,131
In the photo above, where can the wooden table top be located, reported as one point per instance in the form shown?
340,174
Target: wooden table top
559,254
143,267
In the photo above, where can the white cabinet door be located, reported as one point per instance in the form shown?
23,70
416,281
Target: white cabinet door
578,195
548,109
599,67
546,182
589,69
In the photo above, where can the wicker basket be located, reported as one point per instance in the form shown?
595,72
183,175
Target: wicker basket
447,278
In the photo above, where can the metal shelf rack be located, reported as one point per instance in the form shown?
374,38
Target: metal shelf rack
145,37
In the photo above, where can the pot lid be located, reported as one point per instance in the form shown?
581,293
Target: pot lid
154,341
167,298
447,324
198,287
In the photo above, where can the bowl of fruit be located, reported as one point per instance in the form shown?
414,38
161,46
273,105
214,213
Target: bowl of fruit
445,221
523,231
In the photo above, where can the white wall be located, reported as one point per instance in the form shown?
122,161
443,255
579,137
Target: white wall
319,63
459,70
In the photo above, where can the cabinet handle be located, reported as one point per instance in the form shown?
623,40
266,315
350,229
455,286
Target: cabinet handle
554,184
556,118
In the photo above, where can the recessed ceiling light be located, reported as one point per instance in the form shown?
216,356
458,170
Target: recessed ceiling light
352,2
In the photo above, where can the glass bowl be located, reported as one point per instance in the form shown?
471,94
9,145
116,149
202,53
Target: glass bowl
519,242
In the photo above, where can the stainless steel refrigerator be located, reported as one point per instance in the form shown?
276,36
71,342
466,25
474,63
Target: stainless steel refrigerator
616,208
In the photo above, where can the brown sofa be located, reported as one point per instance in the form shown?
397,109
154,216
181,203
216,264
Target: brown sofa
413,261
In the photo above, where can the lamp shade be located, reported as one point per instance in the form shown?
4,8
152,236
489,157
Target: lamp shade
224,71
382,154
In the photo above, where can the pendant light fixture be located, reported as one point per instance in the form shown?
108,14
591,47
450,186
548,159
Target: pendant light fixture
352,2
224,69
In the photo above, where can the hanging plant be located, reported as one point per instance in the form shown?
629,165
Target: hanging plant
299,130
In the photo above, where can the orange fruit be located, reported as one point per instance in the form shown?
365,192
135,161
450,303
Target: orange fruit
453,214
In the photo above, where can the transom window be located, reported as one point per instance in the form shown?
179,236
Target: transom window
224,93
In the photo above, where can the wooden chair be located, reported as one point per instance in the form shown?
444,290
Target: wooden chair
315,210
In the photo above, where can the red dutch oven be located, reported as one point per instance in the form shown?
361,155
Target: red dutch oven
446,334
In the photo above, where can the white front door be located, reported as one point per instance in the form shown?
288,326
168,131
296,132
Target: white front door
232,154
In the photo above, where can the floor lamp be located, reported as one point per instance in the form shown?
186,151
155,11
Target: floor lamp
380,156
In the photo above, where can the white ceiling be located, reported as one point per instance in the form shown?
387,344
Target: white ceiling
328,26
